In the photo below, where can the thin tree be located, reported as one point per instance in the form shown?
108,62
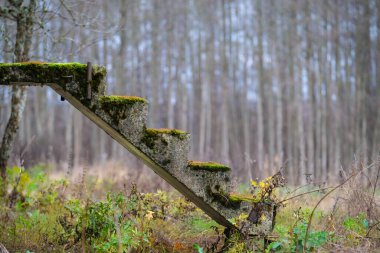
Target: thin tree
24,17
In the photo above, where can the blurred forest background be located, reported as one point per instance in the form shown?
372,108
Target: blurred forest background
258,84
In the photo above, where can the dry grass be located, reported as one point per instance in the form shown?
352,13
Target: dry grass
111,176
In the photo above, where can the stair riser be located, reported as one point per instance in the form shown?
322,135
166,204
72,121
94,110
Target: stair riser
205,182
129,120
168,151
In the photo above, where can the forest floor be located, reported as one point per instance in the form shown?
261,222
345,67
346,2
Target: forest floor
40,213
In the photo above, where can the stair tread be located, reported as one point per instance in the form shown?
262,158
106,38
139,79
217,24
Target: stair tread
171,131
121,100
34,72
208,166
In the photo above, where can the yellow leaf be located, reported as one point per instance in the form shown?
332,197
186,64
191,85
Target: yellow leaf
254,183
149,215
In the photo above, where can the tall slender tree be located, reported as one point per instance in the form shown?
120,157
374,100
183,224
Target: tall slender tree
24,17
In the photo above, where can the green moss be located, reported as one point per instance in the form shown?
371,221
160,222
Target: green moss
173,132
120,100
223,198
152,135
208,166
40,72
238,198
59,73
120,107
232,200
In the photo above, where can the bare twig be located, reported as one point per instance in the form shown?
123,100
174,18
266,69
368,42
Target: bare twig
371,227
304,193
305,185
325,196
374,186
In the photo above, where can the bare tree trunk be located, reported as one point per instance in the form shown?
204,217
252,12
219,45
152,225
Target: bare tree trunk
260,92
300,127
155,67
376,134
180,80
279,73
211,83
203,110
311,95
169,56
339,92
225,121
24,22
246,120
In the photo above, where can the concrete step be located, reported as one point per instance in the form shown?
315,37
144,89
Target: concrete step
167,147
208,179
70,77
126,114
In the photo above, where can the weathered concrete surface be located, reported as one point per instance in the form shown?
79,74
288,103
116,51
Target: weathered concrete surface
168,147
126,114
208,180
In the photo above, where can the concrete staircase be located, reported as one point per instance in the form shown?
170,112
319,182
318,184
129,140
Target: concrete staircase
165,151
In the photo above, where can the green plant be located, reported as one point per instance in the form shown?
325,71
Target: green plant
358,224
198,248
293,240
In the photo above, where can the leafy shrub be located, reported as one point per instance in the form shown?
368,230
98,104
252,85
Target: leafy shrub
293,240
358,224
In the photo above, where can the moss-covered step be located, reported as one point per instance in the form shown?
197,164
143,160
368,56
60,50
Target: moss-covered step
207,166
126,114
167,147
256,215
72,77
208,180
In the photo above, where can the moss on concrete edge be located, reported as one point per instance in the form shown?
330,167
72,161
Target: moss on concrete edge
238,198
67,65
59,73
155,132
151,135
41,71
121,100
208,166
